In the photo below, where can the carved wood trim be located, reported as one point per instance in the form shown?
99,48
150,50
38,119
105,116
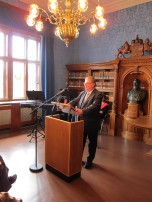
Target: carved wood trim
136,49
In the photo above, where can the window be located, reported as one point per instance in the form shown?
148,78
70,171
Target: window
19,64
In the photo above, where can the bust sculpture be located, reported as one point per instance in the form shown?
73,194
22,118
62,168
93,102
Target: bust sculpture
136,95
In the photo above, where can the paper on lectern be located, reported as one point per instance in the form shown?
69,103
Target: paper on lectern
66,108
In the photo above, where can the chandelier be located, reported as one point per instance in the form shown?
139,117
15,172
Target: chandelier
68,16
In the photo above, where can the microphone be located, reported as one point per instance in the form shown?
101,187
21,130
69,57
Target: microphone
60,92
65,89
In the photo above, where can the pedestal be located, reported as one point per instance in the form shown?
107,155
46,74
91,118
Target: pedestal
133,111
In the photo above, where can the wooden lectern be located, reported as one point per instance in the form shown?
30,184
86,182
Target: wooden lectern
63,147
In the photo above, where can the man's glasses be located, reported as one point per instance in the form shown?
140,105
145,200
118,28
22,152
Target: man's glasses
87,83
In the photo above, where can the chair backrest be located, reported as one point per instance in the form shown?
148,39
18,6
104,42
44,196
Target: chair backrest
104,120
105,116
105,109
108,109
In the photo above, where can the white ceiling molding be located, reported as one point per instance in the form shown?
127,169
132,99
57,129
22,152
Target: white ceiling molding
108,5
115,5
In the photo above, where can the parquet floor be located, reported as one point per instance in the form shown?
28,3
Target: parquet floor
121,173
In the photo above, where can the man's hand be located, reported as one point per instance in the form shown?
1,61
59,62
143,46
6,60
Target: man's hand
78,111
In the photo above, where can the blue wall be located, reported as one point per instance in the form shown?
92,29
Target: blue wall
122,26
62,56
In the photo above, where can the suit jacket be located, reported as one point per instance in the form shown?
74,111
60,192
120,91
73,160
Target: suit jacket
90,108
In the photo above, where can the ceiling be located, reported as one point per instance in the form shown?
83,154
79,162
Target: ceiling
109,5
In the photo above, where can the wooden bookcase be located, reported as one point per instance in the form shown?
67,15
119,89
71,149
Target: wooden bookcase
105,74
76,75
106,78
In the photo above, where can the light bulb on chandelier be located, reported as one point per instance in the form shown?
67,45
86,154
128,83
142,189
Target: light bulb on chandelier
57,33
93,28
39,25
69,19
102,23
52,6
82,5
30,21
77,33
34,10
99,12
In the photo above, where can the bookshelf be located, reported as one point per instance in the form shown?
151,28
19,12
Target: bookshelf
105,82
76,75
76,78
104,73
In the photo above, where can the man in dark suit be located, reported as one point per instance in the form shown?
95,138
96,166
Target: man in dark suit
87,108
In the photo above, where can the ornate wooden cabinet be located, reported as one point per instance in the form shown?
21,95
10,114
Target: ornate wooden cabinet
129,69
134,120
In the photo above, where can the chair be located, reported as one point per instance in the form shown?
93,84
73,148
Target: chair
103,121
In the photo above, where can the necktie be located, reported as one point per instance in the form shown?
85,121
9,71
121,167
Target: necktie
86,97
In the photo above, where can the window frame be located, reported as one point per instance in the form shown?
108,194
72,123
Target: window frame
8,61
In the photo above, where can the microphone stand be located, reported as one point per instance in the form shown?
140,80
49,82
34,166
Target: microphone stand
41,105
38,167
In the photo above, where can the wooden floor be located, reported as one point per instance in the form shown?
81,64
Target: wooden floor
121,173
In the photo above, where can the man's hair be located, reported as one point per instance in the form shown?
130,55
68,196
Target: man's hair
91,78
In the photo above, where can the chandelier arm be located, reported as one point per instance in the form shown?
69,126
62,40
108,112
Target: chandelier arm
90,15
57,17
51,21
48,17
43,11
52,18
83,22
81,19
